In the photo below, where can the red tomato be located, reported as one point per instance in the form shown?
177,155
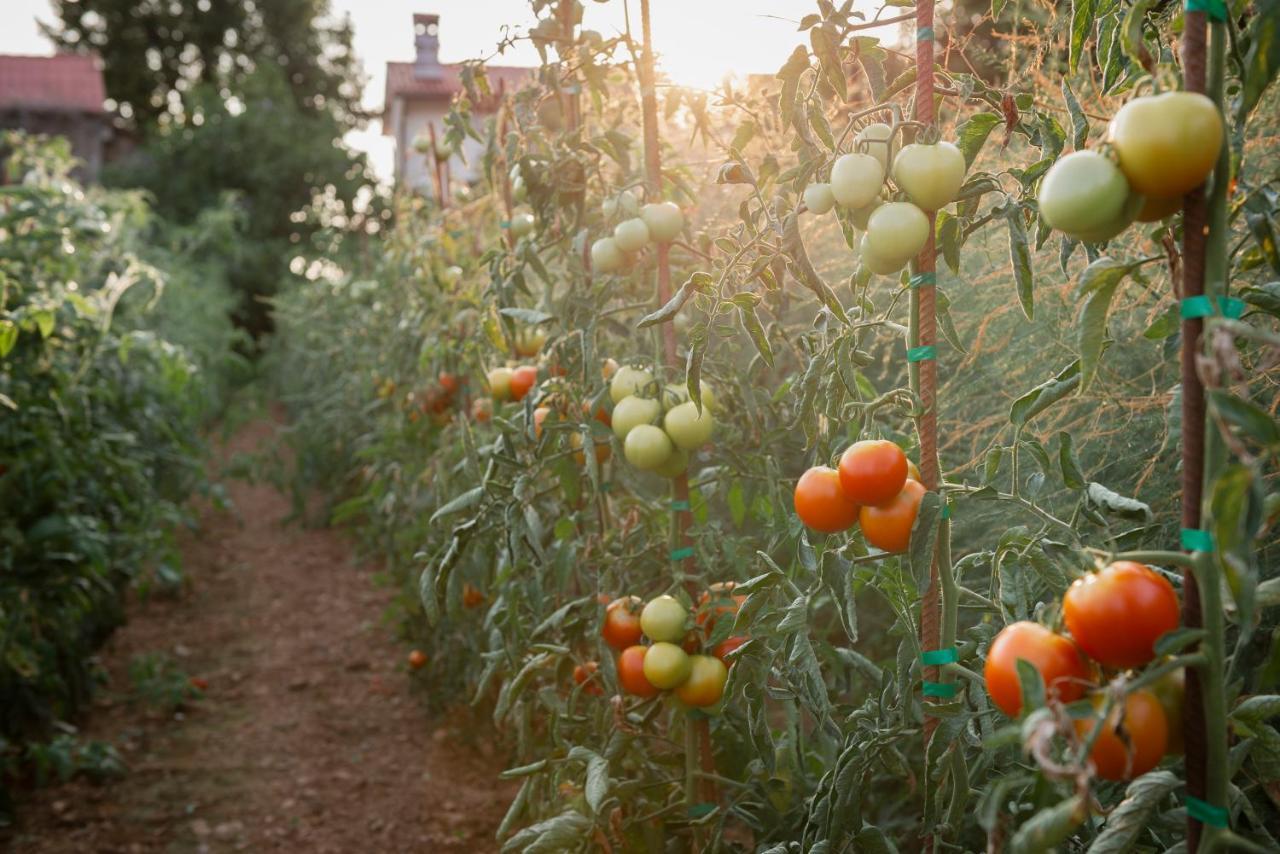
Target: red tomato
727,646
631,672
1118,614
889,527
481,409
417,659
1130,744
539,415
622,622
448,382
523,378
1061,666
820,501
587,671
471,597
872,471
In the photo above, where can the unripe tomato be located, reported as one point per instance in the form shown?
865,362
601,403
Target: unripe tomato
705,685
522,224
664,619
631,672
897,230
629,381
481,410
523,378
1171,691
930,175
664,220
1167,144
876,264
1143,743
872,471
675,465
728,646
585,674
861,216
519,191
688,428
603,451
631,235
631,412
452,275
856,179
820,502
889,527
1061,666
1084,195
622,622
647,447
666,665
623,204
606,257
417,659
471,597
876,137
529,340
818,198
1118,614
674,394
499,380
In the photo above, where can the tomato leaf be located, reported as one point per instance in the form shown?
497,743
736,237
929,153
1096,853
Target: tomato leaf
1174,642
1079,122
1082,19
751,323
1045,395
466,500
1143,800
1020,258
1098,285
1263,59
1252,420
1071,474
972,134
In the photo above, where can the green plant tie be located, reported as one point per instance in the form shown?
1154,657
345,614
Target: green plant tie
699,810
931,657
922,354
1205,812
1193,307
679,505
946,511
506,223
456,234
682,553
605,487
920,280
1215,9
697,715
925,34
939,689
1195,540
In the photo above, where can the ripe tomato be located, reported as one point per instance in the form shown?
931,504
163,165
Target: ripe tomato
889,527
717,600
1084,195
727,646
897,230
471,597
417,659
818,198
627,382
622,622
448,382
481,409
688,428
913,472
603,451
499,380
872,471
539,415
601,414
587,671
631,235
647,447
666,665
523,379
608,368
1130,743
631,412
820,502
606,257
664,618
856,179
1167,144
1061,666
1118,614
631,672
664,221
705,685
930,175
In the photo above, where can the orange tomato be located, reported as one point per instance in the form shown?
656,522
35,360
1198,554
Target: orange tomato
539,415
523,378
587,671
1118,614
448,382
705,685
872,471
622,622
631,672
481,410
1061,666
727,646
889,527
471,597
820,501
417,659
1133,739
716,600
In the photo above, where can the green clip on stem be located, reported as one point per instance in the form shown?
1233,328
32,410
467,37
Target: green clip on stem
1205,812
946,511
1215,9
922,354
932,657
679,505
939,689
682,553
1200,306
1194,540
920,280
925,34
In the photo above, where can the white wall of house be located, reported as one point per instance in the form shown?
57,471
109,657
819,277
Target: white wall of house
410,119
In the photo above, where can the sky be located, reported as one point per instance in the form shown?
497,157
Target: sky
698,41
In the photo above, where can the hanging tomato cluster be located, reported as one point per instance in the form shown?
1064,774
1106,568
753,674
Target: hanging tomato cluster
637,227
875,486
658,427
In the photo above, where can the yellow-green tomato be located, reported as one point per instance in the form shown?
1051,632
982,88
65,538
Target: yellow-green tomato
606,257
631,235
897,230
663,619
664,221
876,264
1167,144
856,179
666,666
676,464
705,683
818,198
688,428
1084,195
522,224
623,204
631,412
499,380
930,175
674,394
860,216
647,447
876,136
452,275
627,381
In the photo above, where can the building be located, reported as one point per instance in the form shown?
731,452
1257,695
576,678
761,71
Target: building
419,93
58,96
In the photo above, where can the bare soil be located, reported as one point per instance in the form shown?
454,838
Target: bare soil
307,738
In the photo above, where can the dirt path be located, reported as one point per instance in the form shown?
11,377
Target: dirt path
307,738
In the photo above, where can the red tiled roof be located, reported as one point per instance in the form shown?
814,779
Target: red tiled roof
67,82
401,81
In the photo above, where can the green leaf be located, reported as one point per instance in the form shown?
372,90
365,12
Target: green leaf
1020,258
466,500
1079,122
1174,642
1031,685
1045,395
751,323
565,832
597,783
8,336
1115,503
1252,420
972,134
1082,18
1071,474
1263,59
1050,827
948,232
1144,799
698,282
1098,284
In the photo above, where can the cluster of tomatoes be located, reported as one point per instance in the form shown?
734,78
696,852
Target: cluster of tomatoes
1114,618
671,661
657,222
894,232
1158,148
512,383
875,486
658,426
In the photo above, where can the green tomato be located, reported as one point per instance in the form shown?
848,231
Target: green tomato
647,447
856,179
452,275
631,412
1084,195
666,666
876,264
522,224
688,428
818,198
930,175
1167,144
664,619
676,464
876,136
631,235
860,216
897,230
628,381
664,220
623,204
606,257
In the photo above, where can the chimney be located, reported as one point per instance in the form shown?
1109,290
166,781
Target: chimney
426,38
